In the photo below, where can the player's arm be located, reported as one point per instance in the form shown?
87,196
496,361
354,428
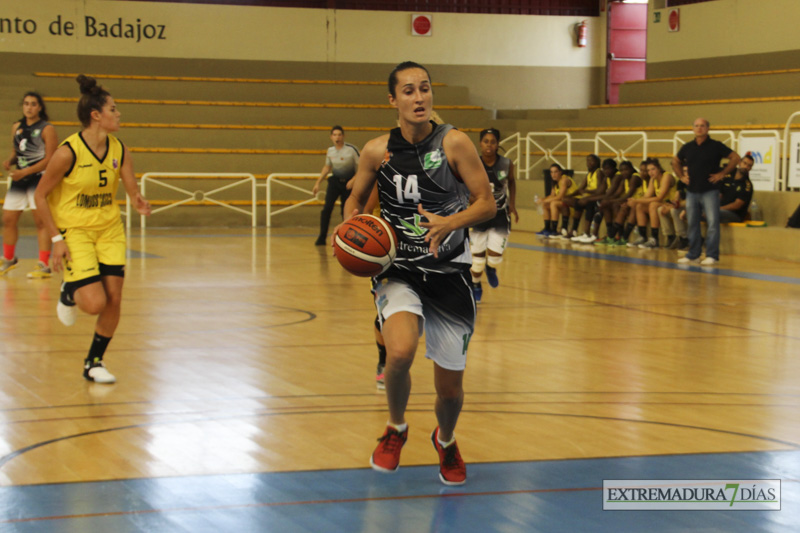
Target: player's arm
512,193
13,159
50,145
465,163
59,165
128,178
364,181
677,167
322,175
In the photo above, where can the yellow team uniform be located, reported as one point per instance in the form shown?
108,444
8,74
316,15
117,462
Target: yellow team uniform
592,182
672,190
571,187
641,191
85,210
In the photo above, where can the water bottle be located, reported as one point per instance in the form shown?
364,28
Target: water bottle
538,203
755,212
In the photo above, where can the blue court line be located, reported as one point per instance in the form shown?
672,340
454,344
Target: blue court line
661,264
28,248
551,495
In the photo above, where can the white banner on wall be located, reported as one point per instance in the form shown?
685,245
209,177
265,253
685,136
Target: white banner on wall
765,152
794,159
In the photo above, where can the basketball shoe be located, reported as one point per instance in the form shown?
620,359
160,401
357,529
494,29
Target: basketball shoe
40,272
477,291
452,470
7,265
96,371
386,457
380,379
491,276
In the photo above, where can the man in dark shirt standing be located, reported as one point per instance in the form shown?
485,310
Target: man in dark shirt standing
702,157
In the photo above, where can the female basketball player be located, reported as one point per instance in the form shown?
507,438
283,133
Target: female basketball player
35,141
631,186
424,173
553,205
661,192
493,234
77,198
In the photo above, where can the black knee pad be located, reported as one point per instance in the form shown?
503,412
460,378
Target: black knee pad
112,270
71,286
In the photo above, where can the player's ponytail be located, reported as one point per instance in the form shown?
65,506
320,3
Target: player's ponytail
93,98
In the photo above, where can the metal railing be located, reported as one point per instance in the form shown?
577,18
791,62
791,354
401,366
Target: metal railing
193,197
276,179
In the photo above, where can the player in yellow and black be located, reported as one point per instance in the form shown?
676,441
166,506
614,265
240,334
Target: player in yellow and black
77,202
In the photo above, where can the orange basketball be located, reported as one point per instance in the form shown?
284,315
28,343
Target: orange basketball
365,245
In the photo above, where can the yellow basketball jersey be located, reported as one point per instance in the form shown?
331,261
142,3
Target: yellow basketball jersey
641,191
86,197
593,180
673,188
571,186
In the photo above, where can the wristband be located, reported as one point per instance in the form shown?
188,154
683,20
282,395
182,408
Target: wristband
57,238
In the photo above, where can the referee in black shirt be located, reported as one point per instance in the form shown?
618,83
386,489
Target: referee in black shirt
703,156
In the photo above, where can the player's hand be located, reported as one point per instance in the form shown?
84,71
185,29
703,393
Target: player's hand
17,175
438,229
336,229
716,178
60,256
142,206
513,211
315,189
7,164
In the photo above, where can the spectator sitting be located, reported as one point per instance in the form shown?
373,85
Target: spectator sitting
736,192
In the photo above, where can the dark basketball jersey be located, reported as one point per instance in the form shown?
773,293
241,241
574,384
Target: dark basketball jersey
413,174
498,179
30,147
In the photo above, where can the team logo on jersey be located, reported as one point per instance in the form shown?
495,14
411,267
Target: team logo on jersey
432,160
414,230
502,175
114,163
35,133
386,157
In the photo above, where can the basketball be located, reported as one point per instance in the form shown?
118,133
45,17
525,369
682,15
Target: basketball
365,245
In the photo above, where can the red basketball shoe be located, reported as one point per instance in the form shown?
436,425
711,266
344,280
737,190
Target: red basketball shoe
386,457
452,470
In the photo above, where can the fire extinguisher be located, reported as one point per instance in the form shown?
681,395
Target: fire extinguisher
582,30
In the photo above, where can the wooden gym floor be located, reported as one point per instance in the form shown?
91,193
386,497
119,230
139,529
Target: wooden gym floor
246,399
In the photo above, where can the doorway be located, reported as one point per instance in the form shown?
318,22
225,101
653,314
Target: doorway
627,46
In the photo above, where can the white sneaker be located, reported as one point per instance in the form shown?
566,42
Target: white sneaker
709,261
687,261
588,239
635,243
97,372
579,238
